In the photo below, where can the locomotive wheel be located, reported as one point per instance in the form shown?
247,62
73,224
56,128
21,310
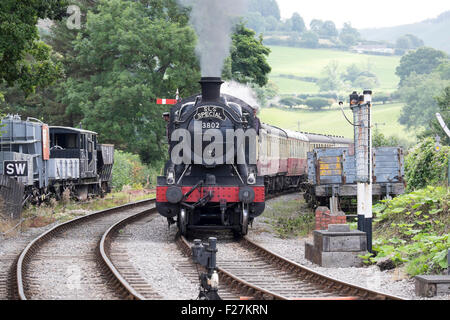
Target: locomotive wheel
182,222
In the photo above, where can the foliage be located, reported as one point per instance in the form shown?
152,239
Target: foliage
128,55
421,61
267,8
409,41
248,58
24,60
300,225
290,217
413,229
443,102
382,97
310,39
298,24
380,140
419,91
291,101
128,170
349,35
317,103
324,29
266,93
425,166
331,80
360,78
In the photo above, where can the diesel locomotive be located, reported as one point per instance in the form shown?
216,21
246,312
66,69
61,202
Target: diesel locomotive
223,161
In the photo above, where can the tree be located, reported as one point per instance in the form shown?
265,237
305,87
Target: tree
316,26
418,91
421,61
424,166
128,55
415,41
47,103
403,43
271,23
310,39
266,8
443,102
329,30
256,22
298,25
24,60
248,58
444,70
331,80
349,35
317,103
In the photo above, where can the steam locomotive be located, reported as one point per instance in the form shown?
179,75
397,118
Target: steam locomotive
223,162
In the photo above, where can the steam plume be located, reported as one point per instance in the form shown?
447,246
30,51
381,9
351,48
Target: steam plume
242,92
213,23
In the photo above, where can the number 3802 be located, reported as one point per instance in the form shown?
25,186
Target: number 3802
210,125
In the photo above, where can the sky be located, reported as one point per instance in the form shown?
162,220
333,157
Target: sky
365,14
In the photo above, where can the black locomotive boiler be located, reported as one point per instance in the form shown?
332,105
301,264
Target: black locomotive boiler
211,178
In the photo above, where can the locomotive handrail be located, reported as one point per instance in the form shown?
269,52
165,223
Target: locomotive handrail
34,120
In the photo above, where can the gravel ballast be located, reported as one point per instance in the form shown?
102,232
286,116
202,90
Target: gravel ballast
392,282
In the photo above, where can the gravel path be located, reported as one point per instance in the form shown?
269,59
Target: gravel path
391,282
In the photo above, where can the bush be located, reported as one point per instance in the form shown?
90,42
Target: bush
128,170
382,97
317,103
425,166
412,229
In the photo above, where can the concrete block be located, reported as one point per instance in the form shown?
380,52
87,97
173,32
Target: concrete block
338,228
333,259
430,286
341,259
326,241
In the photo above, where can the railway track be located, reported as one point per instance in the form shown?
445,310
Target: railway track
114,252
86,259
66,263
258,273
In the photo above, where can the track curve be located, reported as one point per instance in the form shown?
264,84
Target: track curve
68,254
260,274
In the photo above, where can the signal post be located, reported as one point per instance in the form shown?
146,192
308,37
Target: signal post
361,106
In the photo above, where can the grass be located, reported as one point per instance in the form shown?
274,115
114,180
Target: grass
289,86
39,216
290,217
331,121
310,63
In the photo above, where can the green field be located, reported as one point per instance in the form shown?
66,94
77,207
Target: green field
331,121
310,62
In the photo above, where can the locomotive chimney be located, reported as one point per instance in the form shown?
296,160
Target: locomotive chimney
210,88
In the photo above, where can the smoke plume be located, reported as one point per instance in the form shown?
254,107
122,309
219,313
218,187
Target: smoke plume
241,91
213,22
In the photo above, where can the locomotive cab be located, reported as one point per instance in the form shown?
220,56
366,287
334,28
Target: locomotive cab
210,181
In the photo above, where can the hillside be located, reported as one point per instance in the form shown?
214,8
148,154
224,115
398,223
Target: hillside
333,122
434,32
302,62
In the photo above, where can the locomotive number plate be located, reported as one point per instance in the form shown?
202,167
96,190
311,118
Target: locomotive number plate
210,125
